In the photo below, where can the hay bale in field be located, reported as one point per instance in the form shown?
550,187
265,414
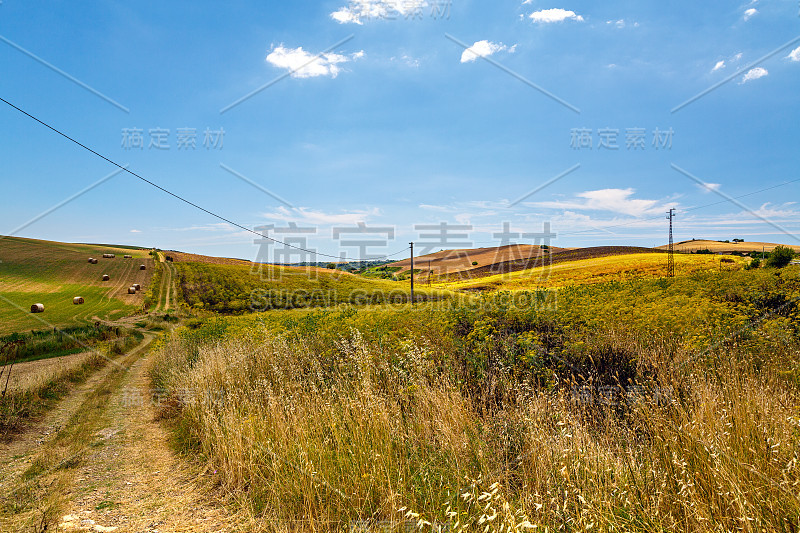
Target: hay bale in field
78,300
94,261
131,290
142,267
91,260
127,256
106,277
109,256
137,286
37,308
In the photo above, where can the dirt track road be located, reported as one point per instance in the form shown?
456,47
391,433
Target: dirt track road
100,461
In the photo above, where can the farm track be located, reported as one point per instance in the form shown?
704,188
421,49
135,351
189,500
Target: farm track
169,286
123,476
13,453
166,288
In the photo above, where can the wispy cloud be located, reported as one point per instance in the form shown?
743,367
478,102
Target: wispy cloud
303,64
547,16
407,60
619,201
484,48
749,13
794,55
312,216
621,23
723,63
709,187
754,74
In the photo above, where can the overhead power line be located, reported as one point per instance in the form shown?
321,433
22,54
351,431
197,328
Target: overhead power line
181,198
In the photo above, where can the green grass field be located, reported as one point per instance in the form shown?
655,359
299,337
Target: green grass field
237,289
52,273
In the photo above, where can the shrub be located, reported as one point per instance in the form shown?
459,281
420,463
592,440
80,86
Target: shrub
780,256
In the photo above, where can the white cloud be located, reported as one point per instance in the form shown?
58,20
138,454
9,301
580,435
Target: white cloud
749,13
554,15
754,74
483,48
614,200
135,231
621,23
312,216
794,55
709,187
431,207
357,11
304,64
722,63
408,60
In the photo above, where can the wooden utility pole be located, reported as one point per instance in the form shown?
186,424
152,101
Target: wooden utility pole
412,272
429,272
671,259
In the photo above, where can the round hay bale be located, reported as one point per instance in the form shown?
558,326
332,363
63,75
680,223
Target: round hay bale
131,290
37,308
78,300
106,277
94,261
91,260
127,256
137,286
142,267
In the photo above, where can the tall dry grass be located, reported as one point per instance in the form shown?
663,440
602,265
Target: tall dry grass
377,436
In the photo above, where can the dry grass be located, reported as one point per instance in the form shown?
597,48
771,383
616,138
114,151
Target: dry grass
33,374
371,436
716,246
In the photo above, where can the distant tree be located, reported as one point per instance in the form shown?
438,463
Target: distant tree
780,256
704,251
331,266
738,240
474,263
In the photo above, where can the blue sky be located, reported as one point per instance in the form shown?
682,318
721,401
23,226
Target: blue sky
400,125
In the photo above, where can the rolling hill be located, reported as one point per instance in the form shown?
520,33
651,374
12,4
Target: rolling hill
577,270
726,247
456,265
52,273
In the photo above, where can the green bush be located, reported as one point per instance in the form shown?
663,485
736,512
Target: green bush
780,257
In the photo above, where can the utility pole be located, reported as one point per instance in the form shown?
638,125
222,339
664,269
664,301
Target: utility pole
429,272
671,259
412,272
